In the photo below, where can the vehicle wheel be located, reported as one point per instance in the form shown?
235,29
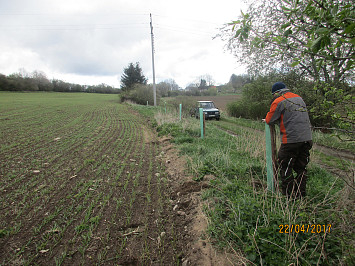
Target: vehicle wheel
217,118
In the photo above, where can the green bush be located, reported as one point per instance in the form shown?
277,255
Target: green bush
255,101
236,109
188,104
212,91
141,94
328,106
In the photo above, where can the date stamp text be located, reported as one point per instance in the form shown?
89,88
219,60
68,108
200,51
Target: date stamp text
304,228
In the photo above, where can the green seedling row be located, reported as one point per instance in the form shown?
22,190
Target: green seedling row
78,183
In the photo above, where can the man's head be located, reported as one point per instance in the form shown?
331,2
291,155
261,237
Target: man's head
277,87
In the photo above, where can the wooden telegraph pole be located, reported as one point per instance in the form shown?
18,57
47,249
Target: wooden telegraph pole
152,38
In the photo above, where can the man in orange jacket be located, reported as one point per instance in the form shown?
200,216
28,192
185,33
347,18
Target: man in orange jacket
289,111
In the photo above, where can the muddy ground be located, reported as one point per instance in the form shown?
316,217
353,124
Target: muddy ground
186,197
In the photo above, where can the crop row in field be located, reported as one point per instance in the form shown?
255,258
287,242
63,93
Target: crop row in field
80,183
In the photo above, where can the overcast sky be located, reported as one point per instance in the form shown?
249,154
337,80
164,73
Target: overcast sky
92,41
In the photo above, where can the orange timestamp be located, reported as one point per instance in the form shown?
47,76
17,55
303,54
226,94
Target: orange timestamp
304,228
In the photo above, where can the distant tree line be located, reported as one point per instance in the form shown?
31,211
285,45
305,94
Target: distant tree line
135,88
38,81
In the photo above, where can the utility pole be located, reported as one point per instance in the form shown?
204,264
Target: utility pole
152,38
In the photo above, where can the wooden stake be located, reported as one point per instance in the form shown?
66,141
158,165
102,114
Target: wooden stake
204,124
273,150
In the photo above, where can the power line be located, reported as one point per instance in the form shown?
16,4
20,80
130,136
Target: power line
102,26
185,30
74,27
181,19
77,25
76,14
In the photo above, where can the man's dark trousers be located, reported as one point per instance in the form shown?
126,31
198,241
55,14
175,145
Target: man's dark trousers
294,157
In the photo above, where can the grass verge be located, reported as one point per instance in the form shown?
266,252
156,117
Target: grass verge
268,228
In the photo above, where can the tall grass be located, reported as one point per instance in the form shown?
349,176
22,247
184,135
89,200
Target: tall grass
244,216
334,140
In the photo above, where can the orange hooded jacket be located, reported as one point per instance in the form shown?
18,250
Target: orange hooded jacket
290,112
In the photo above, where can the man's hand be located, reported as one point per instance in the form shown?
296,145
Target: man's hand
263,120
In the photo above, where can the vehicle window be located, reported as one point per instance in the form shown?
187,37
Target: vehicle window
207,105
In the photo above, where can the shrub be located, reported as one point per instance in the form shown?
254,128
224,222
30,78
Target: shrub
255,100
187,104
140,94
212,91
328,106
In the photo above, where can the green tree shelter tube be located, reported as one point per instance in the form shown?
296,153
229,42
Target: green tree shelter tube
201,122
270,156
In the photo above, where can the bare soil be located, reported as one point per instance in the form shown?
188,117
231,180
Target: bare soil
186,200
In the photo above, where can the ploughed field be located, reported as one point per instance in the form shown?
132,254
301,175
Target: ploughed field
81,183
